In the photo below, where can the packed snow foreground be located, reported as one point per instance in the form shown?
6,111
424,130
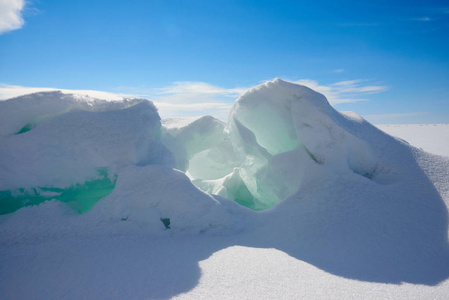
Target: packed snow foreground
286,169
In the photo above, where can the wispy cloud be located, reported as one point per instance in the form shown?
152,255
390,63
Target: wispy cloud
423,19
357,24
190,99
193,92
429,14
11,15
338,70
344,91
219,110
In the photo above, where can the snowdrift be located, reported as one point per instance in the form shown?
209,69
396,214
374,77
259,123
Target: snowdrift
323,186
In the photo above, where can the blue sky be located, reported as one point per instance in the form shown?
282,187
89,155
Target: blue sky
386,60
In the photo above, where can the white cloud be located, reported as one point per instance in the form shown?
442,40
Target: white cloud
191,99
344,91
194,92
200,98
185,87
338,70
169,110
11,15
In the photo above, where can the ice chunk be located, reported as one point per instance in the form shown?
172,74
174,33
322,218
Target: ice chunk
283,132
277,134
213,163
203,134
231,187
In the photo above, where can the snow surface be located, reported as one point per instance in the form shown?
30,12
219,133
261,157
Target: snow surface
432,138
355,213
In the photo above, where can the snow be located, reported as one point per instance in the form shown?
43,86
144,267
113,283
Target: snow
348,211
259,273
73,133
171,123
432,138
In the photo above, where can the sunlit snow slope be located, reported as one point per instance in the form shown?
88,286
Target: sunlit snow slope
433,138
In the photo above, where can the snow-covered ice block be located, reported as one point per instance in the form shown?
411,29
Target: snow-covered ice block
74,142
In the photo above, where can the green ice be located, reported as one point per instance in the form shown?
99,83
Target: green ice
26,128
80,197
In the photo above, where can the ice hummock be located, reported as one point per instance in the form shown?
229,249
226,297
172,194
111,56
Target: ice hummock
277,134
